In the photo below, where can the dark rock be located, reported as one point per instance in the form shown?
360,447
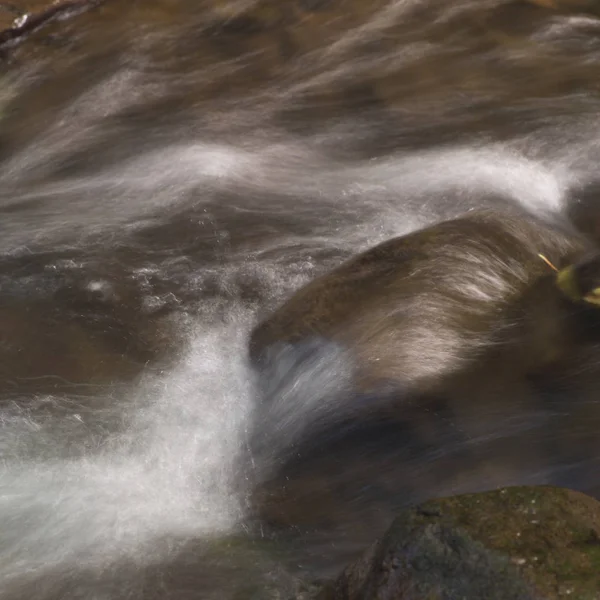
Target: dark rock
515,543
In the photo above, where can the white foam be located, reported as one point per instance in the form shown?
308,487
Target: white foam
168,474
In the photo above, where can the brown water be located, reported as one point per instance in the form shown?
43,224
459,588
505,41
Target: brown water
172,170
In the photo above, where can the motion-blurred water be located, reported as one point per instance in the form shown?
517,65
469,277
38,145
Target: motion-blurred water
170,171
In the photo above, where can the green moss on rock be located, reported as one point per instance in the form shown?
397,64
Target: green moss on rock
515,543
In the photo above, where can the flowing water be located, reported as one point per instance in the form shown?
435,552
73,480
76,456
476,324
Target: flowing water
171,171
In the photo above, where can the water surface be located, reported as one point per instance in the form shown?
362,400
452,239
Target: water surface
170,171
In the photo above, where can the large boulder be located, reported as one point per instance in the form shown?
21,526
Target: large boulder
420,307
518,543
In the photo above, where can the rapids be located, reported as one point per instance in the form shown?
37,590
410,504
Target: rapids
170,171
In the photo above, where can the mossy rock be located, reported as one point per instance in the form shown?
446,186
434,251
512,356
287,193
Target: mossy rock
516,543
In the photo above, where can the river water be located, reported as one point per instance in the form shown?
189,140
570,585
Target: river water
170,171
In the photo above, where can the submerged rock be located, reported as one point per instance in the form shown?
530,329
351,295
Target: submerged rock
520,543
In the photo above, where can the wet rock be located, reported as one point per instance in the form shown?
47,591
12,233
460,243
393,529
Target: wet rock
16,9
520,543
456,278
21,19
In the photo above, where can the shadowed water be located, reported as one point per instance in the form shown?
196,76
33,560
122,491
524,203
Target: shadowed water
170,172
